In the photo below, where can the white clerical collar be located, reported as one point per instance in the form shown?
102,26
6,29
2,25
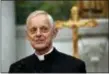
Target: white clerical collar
41,57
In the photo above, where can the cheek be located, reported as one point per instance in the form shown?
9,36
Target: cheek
30,37
49,36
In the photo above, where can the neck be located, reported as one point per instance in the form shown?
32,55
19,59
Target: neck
44,50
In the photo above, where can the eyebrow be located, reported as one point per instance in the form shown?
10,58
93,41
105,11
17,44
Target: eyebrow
29,27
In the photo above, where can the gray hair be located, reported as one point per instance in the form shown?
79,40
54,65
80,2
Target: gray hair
37,12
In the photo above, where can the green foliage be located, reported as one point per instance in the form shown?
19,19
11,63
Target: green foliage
60,10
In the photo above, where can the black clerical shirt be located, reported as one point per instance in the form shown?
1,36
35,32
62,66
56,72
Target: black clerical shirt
55,62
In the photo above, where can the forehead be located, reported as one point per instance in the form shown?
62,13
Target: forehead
39,20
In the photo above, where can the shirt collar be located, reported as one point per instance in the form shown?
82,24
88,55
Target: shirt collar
41,57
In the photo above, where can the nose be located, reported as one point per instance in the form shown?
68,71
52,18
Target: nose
38,33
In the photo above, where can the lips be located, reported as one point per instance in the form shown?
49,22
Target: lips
39,41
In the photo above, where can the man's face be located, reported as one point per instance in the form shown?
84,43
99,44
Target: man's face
40,32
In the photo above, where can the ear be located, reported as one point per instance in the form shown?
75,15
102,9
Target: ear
55,32
27,36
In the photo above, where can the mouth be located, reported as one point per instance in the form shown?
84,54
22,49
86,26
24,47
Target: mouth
39,41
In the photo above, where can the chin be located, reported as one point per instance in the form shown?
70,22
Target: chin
39,47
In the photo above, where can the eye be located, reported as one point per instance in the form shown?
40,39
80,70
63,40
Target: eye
33,30
44,29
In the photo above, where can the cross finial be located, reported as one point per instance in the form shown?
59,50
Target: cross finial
75,13
75,23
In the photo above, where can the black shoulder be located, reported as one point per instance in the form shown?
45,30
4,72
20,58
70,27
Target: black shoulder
16,66
70,58
23,60
73,61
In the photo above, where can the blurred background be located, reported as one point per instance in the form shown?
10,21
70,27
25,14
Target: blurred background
93,42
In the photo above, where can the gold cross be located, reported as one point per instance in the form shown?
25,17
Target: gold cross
75,23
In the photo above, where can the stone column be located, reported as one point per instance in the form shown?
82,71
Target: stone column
8,35
0,37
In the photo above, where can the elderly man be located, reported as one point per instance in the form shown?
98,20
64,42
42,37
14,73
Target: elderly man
46,59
